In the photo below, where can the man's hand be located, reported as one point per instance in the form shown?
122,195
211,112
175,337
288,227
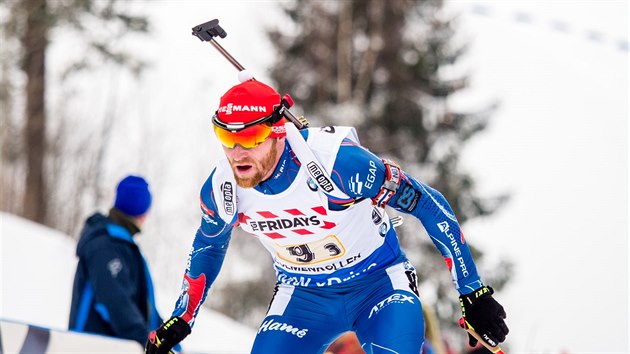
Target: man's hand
485,315
167,336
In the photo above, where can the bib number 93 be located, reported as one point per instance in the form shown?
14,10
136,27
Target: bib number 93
313,252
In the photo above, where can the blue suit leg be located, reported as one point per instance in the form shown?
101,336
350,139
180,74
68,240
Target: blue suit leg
392,322
299,321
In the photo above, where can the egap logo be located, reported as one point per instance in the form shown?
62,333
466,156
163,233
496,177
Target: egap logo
319,177
228,197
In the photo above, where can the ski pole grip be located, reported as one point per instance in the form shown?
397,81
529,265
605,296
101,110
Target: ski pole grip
465,325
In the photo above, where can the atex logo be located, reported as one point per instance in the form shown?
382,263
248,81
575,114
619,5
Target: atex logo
319,177
228,197
392,299
231,107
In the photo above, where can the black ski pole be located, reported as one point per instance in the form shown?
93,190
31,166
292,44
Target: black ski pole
206,32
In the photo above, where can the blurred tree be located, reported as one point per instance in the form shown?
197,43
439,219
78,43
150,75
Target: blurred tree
29,155
387,68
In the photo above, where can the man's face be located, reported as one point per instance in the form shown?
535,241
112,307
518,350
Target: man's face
252,166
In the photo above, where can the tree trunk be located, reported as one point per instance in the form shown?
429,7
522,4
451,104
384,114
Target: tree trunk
34,43
344,52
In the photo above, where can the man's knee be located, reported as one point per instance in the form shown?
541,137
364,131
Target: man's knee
400,345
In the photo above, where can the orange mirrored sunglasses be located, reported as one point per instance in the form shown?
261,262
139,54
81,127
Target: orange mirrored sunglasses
247,135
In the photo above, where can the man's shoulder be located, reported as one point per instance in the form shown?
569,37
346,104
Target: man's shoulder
330,131
94,239
219,173
96,234
219,189
95,224
96,219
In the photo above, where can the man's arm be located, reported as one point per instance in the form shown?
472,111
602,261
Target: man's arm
204,263
205,258
437,217
362,174
480,311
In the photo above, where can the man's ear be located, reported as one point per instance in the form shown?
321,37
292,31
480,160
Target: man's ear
280,143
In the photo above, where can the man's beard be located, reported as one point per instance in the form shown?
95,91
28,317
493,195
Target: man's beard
262,168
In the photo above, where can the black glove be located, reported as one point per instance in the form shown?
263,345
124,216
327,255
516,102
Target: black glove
169,334
485,315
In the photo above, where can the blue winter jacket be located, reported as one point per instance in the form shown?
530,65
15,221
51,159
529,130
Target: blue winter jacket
113,292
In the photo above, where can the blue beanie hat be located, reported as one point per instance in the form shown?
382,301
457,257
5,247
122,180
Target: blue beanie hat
133,196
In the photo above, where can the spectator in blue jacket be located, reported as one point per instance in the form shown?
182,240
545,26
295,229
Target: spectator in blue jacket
113,291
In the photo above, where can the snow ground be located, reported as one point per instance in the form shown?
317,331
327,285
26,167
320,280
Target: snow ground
36,273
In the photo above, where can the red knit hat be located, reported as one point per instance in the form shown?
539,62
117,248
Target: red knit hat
248,101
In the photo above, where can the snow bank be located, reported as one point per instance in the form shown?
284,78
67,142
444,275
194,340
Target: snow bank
36,273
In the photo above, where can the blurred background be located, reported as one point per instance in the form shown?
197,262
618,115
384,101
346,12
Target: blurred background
516,111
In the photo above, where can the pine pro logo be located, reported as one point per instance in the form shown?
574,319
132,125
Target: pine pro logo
445,228
454,249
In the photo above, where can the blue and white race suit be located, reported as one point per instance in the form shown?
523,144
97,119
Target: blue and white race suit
337,258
